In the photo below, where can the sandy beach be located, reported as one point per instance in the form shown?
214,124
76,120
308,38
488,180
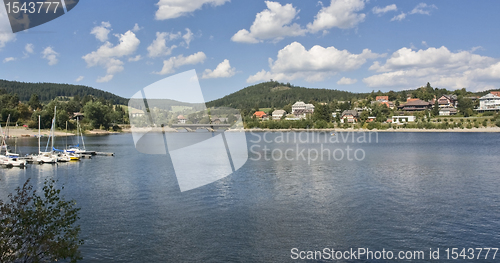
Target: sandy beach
21,132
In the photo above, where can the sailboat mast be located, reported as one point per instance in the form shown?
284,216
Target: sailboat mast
54,125
39,134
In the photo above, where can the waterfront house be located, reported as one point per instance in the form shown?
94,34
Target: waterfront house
135,113
447,101
416,105
489,102
496,93
447,111
260,114
277,114
181,119
402,119
349,116
300,105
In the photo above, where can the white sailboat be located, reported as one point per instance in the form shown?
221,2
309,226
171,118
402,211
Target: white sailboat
76,149
9,159
62,156
43,157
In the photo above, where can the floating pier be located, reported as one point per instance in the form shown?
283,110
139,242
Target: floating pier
105,154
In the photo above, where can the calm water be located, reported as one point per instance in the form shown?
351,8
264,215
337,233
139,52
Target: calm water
412,191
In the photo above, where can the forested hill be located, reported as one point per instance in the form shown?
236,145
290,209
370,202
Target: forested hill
275,94
49,91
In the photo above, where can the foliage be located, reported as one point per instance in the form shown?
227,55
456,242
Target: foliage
321,113
465,106
49,91
267,95
98,114
39,228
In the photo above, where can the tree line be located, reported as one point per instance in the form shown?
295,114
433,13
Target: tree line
48,91
97,112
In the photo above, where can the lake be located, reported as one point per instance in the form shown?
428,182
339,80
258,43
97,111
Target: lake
399,192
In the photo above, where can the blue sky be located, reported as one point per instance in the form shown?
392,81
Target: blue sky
356,45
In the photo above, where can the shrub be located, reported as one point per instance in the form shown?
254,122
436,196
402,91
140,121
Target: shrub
38,228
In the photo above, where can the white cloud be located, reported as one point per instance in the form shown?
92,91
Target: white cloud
137,28
346,81
274,23
399,17
423,9
168,9
135,59
159,46
316,64
9,59
188,37
407,68
30,48
223,70
101,32
79,78
341,13
106,78
107,55
382,10
171,64
6,34
424,43
50,55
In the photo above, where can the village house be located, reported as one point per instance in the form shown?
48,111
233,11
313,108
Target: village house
301,110
402,119
349,116
490,102
260,115
447,111
415,105
383,100
300,105
277,114
448,101
181,119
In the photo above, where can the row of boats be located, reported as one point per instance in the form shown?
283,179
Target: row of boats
71,153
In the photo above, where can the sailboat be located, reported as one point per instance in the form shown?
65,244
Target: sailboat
67,156
76,148
62,156
9,159
43,157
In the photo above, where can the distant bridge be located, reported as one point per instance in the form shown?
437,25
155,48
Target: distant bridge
208,125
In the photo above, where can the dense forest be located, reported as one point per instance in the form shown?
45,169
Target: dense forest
273,94
277,95
49,91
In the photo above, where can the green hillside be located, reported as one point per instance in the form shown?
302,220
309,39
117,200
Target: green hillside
275,94
48,91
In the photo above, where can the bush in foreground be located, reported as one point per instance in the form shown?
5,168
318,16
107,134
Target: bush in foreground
38,228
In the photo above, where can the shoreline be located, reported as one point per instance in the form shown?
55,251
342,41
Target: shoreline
33,133
30,133
476,130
